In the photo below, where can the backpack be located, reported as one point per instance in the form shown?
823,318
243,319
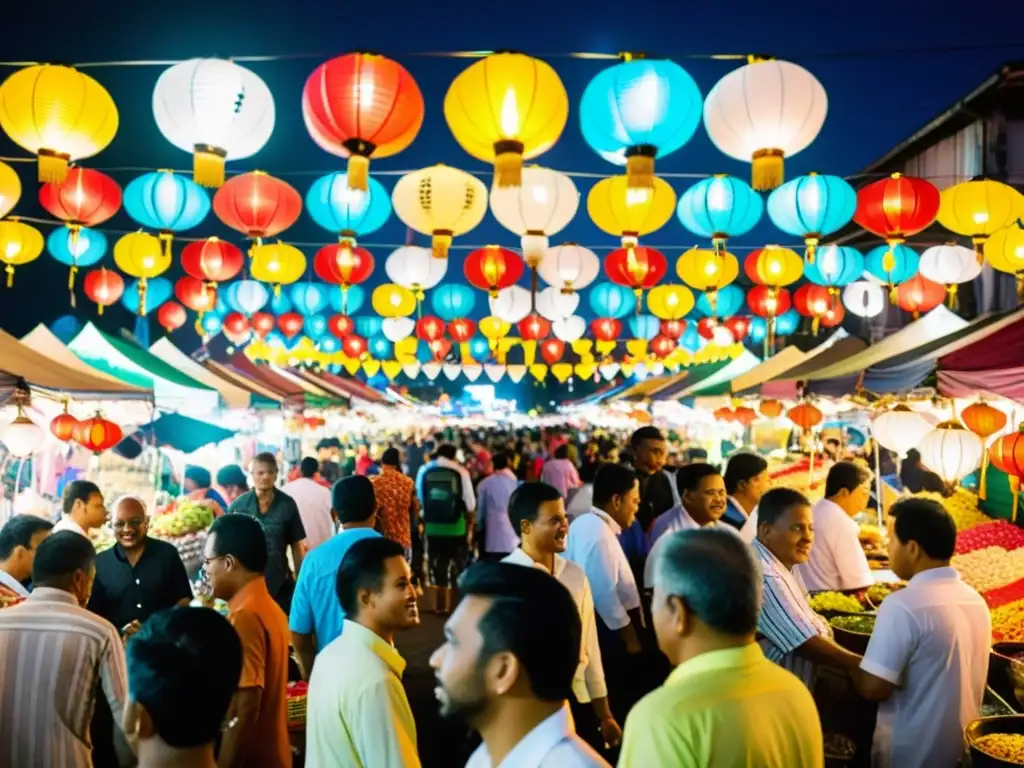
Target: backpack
442,496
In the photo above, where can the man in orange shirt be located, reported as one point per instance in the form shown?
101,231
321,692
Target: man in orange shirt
235,558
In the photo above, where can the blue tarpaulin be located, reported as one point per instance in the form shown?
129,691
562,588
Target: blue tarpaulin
181,432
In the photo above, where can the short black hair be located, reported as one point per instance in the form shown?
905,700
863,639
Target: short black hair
77,490
177,652
59,556
353,499
715,574
18,532
447,451
500,460
645,433
845,475
525,502
266,458
562,451
743,467
308,467
363,568
533,617
612,480
391,457
242,537
231,474
776,502
928,523
688,478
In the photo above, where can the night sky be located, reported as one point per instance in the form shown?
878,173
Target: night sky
877,95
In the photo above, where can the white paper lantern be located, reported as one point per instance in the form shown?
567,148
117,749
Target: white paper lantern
542,206
251,296
516,373
569,267
609,371
763,112
452,371
216,109
864,298
411,369
415,268
22,437
722,336
494,372
472,371
552,304
440,201
569,329
431,370
951,265
397,328
511,304
899,429
950,451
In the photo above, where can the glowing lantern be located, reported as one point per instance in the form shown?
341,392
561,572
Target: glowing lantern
533,328
984,421
276,263
58,114
812,207
452,301
261,323
166,202
764,112
309,299
171,316
215,109
1007,455
235,327
897,207
343,264
85,198
813,301
978,208
245,296
141,255
569,329
494,328
290,324
919,294
341,325
950,451
569,267
950,265
720,207
195,294
836,266
360,106
440,201
606,328
1005,252
552,350
630,213
354,346
805,416
892,265
391,300
863,298
257,205
670,302
611,300
635,267
706,327
63,425
439,349
774,266
429,328
103,287
644,327
97,434
708,271
672,329
833,316
899,429
10,189
76,248
769,303
739,327
772,409
540,207
504,108
415,268
493,268
19,244
213,260
348,213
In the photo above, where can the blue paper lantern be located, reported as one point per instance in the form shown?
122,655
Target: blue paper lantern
380,348
82,251
835,266
221,307
158,290
350,212
280,304
165,201
66,327
812,207
691,339
787,323
644,327
310,298
452,300
329,345
728,301
892,264
211,323
423,352
758,329
612,300
369,326
315,326
275,339
348,302
479,349
245,296
645,108
719,208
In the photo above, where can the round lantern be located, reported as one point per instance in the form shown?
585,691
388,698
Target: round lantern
492,268
569,267
773,266
1007,455
812,207
451,301
257,205
569,329
361,106
833,316
353,346
290,324
76,248
950,451
949,265
984,421
245,296
644,327
215,109
262,323
494,328
235,327
340,325
662,346
540,207
58,114
835,266
429,328
555,305
309,299
552,350
769,303
346,212
103,287
196,295
343,264
771,409
670,302
706,270
22,436
63,425
627,212
19,244
158,290
864,298
787,323
10,189
415,268
276,263
805,416
141,255
533,328
706,327
897,207
672,329
739,327
606,329
1005,252
171,316
440,201
919,294
813,301
391,300
899,429
720,207
85,198
745,416
97,434
764,112
722,303
892,265
461,330
978,208
166,202
504,108
213,260
636,267
638,110
611,300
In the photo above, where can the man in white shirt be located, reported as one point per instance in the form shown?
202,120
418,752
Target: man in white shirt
746,481
927,660
19,538
506,669
837,559
314,503
537,510
83,508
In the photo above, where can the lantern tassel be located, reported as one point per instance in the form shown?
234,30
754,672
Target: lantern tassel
812,247
983,479
358,172
952,296
165,244
208,165
893,294
1015,490
440,243
10,275
99,310
53,166
767,169
640,171
979,249
71,284
815,324
142,297
508,163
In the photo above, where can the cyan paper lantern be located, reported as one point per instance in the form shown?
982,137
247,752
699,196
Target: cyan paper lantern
346,301
369,326
315,326
329,345
720,207
728,301
280,304
644,327
835,266
892,264
452,301
245,296
158,290
758,330
83,250
309,298
344,211
612,300
787,323
166,202
211,323
812,206
380,348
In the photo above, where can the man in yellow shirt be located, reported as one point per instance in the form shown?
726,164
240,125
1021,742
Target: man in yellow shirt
724,704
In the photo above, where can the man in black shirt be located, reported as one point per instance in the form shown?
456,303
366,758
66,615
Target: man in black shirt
656,494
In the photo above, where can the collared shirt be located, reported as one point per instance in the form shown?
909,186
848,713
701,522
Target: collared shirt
837,559
658,494
15,586
314,503
725,708
592,545
676,519
55,658
395,496
581,501
735,515
562,475
123,593
589,683
553,743
932,640
749,530
263,629
67,524
786,621
447,529
283,527
493,495
315,607
357,713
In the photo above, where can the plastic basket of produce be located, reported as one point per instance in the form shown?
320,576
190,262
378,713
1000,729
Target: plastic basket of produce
296,693
996,741
853,632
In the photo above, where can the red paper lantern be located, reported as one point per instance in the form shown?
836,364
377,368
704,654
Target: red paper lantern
833,316
606,328
97,434
86,198
725,413
261,323
64,425
171,316
706,327
103,287
805,416
353,346
195,294
493,268
359,106
429,328
770,408
213,260
235,327
290,324
257,204
673,329
738,326
533,327
982,419
662,346
1007,455
636,267
440,348
812,300
343,264
341,325
552,350
745,416
461,329
919,294
768,302
897,207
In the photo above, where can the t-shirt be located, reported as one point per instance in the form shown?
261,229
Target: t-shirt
283,527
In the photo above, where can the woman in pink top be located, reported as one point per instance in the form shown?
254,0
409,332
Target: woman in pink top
560,472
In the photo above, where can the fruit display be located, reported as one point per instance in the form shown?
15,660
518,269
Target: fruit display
186,517
994,534
835,601
859,625
876,593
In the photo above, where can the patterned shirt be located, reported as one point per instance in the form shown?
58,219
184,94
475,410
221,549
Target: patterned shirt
395,497
283,527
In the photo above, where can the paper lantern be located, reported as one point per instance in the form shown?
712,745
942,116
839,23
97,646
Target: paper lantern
213,260
85,198
492,268
354,346
897,207
706,270
813,301
611,300
390,300
171,316
554,305
835,266
745,416
309,299
773,266
720,207
627,212
764,112
235,327
569,329
670,302
10,189
440,201
727,301
950,265
19,244
262,323
142,256
706,327
276,263
166,202
1007,455
919,294
672,329
415,268
833,316
76,248
805,416
950,451
864,299
768,302
290,324
340,325
103,287
1005,253
636,267
541,206
215,109
899,429
984,421
451,301
533,328
245,296
644,327
638,110
606,329
662,346
892,265
429,328
569,267
504,108
772,409
343,264
361,106
347,212
812,207
787,322
196,295
978,208
494,328
63,425
257,205
552,350
58,114
739,327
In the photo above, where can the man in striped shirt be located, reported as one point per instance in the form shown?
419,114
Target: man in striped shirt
55,658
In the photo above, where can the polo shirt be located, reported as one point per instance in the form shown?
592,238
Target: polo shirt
123,593
837,559
283,527
676,519
552,743
315,607
357,713
725,708
593,545
932,640
67,524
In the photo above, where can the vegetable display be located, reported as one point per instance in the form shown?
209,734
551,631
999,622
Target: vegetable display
860,625
835,601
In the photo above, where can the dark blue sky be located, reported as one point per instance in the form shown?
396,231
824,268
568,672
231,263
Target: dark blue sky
875,101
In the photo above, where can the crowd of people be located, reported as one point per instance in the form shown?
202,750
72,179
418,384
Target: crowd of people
600,608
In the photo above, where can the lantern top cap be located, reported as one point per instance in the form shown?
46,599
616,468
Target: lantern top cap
950,424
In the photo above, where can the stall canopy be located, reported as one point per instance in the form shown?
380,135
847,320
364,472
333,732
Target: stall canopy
347,388
989,361
232,395
720,382
837,347
183,433
693,375
253,385
293,388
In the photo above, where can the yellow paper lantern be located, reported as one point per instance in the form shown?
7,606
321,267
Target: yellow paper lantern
506,107
704,270
979,208
670,302
277,263
142,256
390,300
10,189
58,114
440,201
561,371
629,212
493,328
1005,252
19,244
775,266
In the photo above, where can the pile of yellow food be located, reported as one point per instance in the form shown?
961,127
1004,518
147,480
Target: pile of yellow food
835,601
962,507
990,568
1004,746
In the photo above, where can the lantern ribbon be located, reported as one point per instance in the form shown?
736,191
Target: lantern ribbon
10,275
